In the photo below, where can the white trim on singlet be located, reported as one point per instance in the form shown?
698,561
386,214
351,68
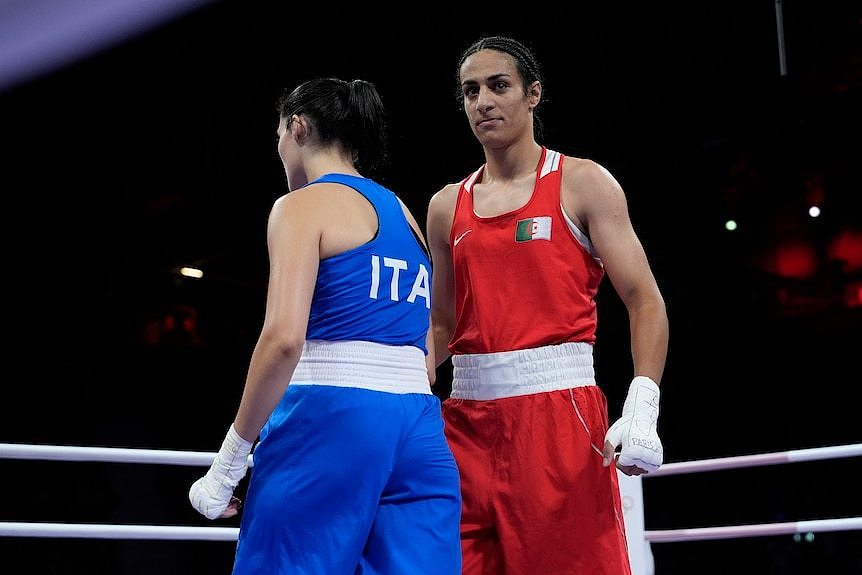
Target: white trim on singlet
471,179
582,238
551,163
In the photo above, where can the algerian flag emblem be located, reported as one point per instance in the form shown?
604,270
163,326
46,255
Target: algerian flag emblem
533,229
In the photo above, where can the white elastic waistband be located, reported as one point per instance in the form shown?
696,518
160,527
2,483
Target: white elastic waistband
511,373
362,364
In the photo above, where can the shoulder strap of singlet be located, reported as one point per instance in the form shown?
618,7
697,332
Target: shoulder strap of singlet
551,162
467,183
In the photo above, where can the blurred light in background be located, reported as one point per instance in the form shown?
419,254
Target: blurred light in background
40,36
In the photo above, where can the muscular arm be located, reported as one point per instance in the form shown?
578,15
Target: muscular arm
597,200
441,210
293,239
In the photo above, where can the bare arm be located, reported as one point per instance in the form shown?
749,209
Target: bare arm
441,210
293,238
430,359
599,203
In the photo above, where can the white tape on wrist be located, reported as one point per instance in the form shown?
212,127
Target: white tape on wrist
635,432
211,494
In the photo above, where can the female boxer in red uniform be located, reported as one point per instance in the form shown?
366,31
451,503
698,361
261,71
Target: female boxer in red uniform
519,248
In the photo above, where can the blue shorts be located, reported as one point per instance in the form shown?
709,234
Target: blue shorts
351,481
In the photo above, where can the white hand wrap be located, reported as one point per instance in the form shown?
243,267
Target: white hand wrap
635,430
211,493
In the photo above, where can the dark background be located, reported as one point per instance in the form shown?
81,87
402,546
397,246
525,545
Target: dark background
159,151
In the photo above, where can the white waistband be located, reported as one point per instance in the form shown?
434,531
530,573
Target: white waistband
362,364
511,373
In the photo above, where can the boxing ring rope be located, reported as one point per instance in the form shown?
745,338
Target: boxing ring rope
107,531
756,530
796,456
735,531
106,454
192,458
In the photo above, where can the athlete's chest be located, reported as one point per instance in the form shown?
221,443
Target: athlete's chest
492,200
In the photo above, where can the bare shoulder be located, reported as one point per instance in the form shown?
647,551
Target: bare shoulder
589,192
290,202
444,199
589,186
281,207
441,212
309,204
583,172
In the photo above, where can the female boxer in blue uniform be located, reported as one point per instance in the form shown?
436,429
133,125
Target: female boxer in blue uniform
352,473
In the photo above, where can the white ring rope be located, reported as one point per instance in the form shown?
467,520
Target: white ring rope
93,531
156,456
175,532
735,531
730,532
112,455
797,456
106,454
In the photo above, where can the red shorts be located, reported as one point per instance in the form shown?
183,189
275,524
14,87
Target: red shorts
536,497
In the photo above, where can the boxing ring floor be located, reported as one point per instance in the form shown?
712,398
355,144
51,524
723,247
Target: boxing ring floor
206,547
